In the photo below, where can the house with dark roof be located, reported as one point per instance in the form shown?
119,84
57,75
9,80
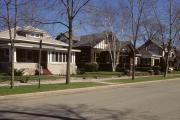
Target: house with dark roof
94,48
26,53
178,58
64,37
152,53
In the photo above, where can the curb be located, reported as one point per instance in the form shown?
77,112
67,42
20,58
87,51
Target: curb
79,90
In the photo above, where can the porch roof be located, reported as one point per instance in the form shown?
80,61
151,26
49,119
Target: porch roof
149,54
36,46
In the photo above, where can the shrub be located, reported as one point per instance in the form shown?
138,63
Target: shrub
120,69
91,67
105,67
155,68
143,68
17,72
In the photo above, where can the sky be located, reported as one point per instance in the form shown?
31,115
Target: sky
82,29
80,25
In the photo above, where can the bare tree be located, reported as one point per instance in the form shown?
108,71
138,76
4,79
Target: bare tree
135,26
10,20
113,44
169,30
66,18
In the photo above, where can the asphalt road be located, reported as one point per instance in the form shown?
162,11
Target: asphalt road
152,101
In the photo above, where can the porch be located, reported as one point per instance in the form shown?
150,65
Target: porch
52,61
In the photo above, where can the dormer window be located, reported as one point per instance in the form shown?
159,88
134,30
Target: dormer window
36,35
20,33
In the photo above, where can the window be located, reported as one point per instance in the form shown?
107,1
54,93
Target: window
29,56
64,57
35,35
59,57
6,52
53,57
97,55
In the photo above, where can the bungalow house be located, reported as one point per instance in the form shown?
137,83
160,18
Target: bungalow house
27,48
152,54
94,48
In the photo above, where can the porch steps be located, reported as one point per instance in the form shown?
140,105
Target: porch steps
46,72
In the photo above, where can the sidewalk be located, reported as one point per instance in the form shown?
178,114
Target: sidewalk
73,79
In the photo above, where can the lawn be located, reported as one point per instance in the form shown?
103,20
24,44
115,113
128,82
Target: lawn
175,72
143,79
47,87
32,77
99,74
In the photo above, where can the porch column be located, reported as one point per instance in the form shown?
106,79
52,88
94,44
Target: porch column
152,61
136,60
15,60
74,57
49,57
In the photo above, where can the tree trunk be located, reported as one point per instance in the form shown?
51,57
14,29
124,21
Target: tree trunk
69,53
12,65
114,68
166,66
39,65
133,67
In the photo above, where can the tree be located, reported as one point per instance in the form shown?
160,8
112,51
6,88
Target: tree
71,8
169,29
113,44
10,20
136,17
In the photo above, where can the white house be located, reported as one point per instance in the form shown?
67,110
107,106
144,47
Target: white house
54,53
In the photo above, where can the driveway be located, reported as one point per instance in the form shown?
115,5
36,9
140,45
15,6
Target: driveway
149,101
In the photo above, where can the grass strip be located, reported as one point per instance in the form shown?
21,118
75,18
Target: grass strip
32,77
46,87
143,79
99,74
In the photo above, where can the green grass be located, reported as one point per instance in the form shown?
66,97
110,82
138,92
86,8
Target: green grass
175,72
143,79
32,77
102,74
99,74
48,87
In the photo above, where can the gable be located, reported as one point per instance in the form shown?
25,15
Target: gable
101,45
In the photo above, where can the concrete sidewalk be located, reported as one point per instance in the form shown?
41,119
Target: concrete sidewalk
73,79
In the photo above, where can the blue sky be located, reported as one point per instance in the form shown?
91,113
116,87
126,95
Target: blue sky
80,29
86,29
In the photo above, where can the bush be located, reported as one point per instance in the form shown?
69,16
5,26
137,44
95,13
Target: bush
17,72
91,67
105,67
155,68
143,68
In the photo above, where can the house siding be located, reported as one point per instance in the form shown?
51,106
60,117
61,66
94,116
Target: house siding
60,69
29,68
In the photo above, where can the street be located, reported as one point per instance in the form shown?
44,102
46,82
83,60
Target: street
149,101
